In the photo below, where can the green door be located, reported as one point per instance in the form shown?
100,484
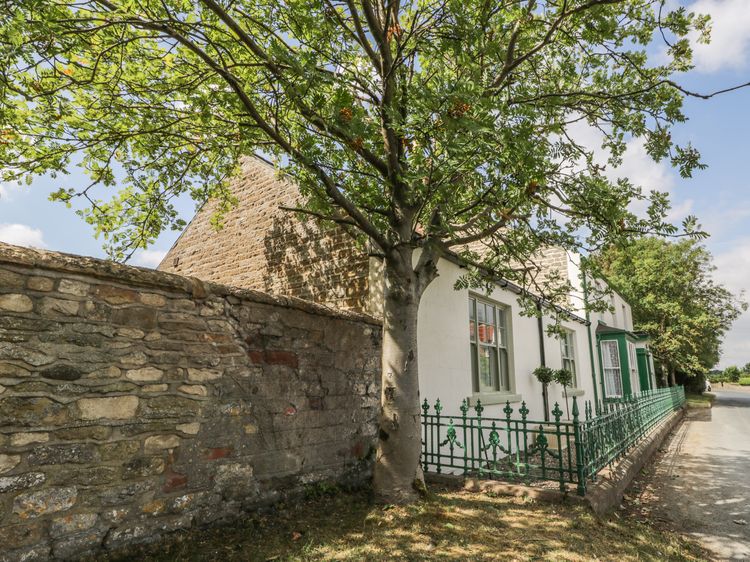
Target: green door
643,369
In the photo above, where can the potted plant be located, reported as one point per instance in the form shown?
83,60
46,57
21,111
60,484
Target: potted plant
564,378
545,375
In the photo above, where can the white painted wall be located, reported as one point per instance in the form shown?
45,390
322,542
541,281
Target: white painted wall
444,352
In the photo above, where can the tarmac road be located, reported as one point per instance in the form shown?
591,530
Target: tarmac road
701,484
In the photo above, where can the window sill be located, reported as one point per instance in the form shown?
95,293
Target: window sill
574,392
491,398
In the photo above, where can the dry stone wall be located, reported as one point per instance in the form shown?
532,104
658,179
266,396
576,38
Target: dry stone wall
134,402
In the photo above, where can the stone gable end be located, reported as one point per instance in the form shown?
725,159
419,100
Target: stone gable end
266,248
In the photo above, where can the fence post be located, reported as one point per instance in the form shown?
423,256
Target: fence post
579,449
425,449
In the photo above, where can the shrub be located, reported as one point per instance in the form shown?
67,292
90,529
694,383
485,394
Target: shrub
745,381
544,375
732,373
563,377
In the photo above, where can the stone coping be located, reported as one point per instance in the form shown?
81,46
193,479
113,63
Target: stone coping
108,270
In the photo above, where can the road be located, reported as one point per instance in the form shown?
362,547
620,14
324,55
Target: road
700,484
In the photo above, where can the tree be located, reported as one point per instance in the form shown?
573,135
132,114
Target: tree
732,374
545,376
564,378
674,300
746,368
420,127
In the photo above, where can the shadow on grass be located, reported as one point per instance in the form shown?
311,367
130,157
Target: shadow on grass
450,525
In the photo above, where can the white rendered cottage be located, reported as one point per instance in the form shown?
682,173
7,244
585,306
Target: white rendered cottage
473,345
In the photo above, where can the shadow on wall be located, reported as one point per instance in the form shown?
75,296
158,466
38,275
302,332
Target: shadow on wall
308,261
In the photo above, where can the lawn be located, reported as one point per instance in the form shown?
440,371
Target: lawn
451,525
700,400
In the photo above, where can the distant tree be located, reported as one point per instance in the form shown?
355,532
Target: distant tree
674,300
732,374
746,368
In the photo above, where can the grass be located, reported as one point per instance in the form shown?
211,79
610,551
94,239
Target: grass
700,400
745,381
451,525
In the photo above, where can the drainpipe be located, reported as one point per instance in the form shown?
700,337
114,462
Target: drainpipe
588,333
542,357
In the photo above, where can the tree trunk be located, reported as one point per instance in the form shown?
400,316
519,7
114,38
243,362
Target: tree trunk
398,475
672,380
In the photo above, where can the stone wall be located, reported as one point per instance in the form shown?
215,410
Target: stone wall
134,402
266,248
552,262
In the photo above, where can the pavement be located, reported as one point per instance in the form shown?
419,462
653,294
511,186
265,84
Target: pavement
700,481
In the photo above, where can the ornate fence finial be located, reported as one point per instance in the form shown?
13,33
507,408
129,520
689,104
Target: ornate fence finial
524,411
479,408
557,412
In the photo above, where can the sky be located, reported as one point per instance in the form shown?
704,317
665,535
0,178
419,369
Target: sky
719,196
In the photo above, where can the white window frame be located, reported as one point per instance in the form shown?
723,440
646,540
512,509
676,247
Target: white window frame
611,370
635,380
568,354
503,386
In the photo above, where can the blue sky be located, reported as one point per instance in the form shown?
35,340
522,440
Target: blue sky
719,196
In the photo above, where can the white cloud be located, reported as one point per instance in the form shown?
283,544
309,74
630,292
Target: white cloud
730,35
7,191
733,271
733,266
642,170
680,211
149,258
637,166
22,235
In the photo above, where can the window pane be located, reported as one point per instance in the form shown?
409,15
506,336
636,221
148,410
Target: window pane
487,340
485,369
610,355
472,320
570,365
612,383
494,376
504,373
474,368
487,333
501,332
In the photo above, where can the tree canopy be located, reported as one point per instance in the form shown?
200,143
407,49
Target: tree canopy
445,121
423,126
674,299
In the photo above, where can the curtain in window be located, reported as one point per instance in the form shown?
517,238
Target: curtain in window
612,374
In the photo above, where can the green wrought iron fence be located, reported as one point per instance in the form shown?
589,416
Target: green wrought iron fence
621,424
568,452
